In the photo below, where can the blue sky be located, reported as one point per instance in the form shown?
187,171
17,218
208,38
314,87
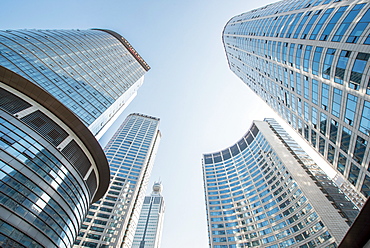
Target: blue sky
203,106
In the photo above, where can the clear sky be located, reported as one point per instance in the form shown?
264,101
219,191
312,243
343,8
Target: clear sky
203,106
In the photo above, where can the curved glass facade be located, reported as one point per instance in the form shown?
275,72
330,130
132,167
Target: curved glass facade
309,60
254,199
92,72
48,176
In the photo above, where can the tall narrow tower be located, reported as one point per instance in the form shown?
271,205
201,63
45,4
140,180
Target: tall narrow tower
149,229
309,61
112,221
259,193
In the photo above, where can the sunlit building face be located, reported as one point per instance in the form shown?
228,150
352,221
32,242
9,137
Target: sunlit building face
259,195
309,60
95,73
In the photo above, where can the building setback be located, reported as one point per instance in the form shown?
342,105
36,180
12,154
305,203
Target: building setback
309,61
258,194
95,73
111,221
149,229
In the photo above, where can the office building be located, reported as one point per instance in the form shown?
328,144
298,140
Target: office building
309,61
347,201
51,167
95,73
149,229
111,221
259,193
59,92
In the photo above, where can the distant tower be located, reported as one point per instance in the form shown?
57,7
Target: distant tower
149,229
309,61
111,222
261,193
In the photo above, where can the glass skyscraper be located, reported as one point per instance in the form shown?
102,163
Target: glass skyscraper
111,222
260,193
309,61
51,167
149,229
59,92
95,73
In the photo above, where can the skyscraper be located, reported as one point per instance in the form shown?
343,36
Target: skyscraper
51,167
149,229
112,221
58,89
309,61
95,73
260,194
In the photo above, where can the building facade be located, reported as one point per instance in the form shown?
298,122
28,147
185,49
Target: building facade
348,202
149,229
59,92
309,61
95,73
111,221
51,167
258,194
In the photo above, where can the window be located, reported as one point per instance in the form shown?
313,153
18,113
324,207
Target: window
341,66
353,174
359,150
347,22
315,91
298,83
331,153
334,20
365,119
310,23
306,58
313,138
336,103
314,117
341,163
359,28
316,60
298,56
325,96
323,123
357,70
351,105
366,186
333,131
300,26
346,138
320,23
321,146
328,61
292,25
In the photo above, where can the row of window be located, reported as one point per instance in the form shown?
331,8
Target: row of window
256,212
330,22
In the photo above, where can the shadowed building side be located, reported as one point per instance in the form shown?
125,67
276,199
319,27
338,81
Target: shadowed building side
51,167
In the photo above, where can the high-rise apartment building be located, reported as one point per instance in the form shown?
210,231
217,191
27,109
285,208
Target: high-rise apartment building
259,193
149,229
111,222
309,61
95,73
59,91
